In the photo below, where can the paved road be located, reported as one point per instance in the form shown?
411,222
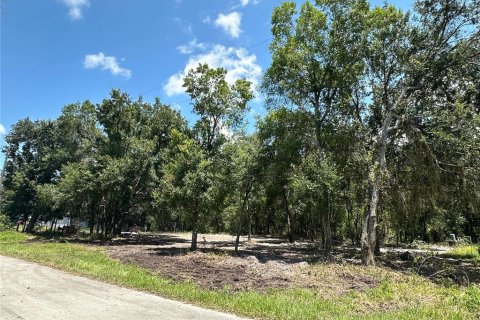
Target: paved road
31,291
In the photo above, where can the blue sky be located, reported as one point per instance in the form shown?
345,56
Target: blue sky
55,52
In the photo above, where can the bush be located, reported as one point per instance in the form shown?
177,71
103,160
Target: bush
5,223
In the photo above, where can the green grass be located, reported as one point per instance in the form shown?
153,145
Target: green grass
12,236
465,252
397,297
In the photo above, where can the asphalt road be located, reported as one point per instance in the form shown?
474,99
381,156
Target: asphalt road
31,291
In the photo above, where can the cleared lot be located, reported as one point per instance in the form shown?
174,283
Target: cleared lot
267,262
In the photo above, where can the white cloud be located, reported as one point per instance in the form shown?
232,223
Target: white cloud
75,8
191,47
237,62
230,23
104,62
244,3
183,25
176,107
2,130
206,19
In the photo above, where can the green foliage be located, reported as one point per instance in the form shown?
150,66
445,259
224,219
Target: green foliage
5,222
218,104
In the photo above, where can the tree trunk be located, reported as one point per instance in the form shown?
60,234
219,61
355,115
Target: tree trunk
378,235
240,222
370,219
120,223
312,226
92,220
289,225
51,226
107,221
237,242
24,221
98,226
267,214
351,220
116,223
249,227
327,235
193,246
327,228
31,222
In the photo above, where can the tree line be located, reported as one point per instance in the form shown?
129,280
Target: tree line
372,135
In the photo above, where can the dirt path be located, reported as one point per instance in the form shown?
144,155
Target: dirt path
31,291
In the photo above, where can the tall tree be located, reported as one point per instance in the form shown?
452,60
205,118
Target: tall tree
409,64
30,161
220,106
317,61
285,138
243,161
385,58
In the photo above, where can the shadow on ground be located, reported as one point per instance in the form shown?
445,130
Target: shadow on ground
267,262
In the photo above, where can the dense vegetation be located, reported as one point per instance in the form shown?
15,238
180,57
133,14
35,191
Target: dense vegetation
372,135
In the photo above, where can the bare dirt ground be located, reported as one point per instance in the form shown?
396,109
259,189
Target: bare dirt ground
262,264
267,263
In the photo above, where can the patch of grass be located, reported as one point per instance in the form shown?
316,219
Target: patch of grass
406,297
465,252
12,236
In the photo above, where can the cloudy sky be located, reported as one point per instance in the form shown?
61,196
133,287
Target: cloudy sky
55,52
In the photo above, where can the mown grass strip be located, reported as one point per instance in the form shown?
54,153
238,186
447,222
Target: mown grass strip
389,301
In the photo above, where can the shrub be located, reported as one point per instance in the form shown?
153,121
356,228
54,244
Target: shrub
5,223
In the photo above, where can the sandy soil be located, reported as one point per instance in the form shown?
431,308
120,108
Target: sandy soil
267,262
262,264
